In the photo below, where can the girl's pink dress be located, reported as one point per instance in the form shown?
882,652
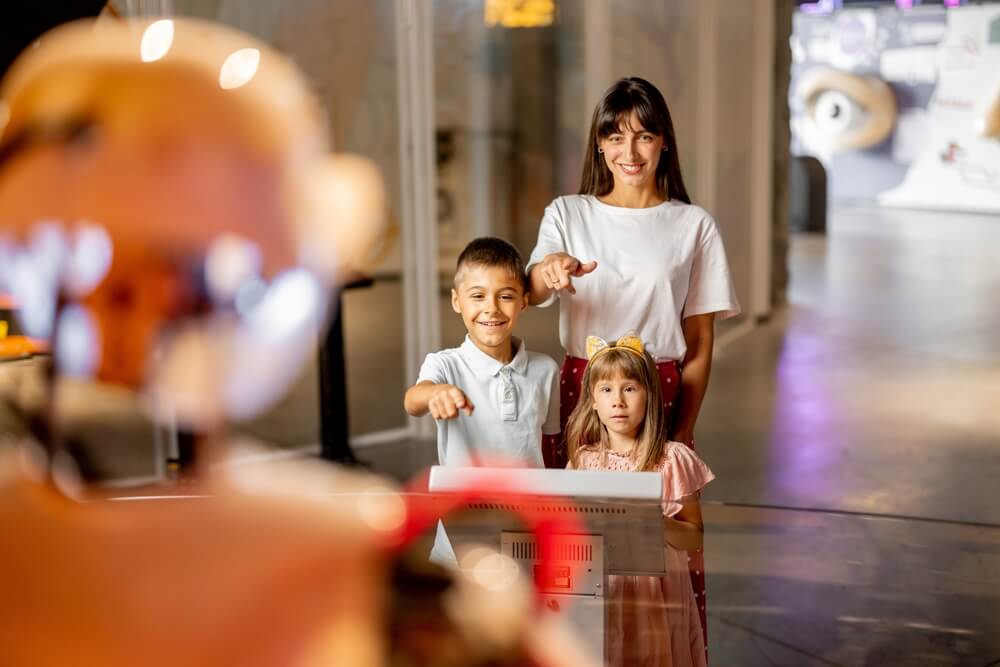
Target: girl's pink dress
571,377
654,621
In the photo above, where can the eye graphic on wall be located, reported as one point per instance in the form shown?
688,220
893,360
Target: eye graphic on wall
849,111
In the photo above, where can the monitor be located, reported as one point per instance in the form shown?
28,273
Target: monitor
623,507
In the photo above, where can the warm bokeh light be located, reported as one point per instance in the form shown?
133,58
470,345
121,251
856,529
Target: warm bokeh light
988,124
239,68
231,263
156,40
519,13
382,509
488,568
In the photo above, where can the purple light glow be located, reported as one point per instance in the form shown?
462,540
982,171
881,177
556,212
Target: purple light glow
904,4
821,6
807,438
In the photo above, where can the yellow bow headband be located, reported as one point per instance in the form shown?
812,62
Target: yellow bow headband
629,342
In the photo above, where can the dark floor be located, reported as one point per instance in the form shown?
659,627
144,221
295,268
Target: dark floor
878,389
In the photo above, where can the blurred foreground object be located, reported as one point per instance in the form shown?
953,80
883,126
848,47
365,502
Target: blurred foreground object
300,565
168,196
13,343
172,227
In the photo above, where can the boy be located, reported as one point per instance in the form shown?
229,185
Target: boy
491,397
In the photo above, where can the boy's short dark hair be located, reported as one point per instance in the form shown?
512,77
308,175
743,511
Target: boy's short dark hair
491,251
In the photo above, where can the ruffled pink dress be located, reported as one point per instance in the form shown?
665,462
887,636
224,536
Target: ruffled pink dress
653,621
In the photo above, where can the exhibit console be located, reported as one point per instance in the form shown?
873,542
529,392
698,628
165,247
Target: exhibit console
620,533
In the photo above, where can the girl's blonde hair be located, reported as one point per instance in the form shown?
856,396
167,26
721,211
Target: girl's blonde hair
585,430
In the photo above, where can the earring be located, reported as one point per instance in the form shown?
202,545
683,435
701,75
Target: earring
600,150
665,149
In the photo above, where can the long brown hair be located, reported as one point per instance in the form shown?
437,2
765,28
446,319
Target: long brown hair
625,96
585,430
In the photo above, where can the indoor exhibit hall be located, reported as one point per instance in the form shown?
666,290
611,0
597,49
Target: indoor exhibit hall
306,307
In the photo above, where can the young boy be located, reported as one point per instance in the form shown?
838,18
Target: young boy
491,397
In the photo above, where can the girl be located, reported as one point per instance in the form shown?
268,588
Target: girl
632,249
619,424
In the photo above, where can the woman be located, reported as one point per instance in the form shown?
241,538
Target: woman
630,253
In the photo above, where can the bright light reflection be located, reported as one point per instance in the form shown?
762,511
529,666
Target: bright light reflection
491,570
382,509
293,301
32,277
248,295
76,345
231,263
6,260
239,67
156,40
49,248
519,13
89,260
35,292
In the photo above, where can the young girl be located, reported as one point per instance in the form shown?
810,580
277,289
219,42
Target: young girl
619,424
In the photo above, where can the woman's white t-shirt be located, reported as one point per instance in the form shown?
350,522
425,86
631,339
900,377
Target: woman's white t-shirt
655,266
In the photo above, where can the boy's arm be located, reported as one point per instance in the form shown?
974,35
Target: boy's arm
442,401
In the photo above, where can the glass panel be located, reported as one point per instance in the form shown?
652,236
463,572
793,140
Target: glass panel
503,152
347,50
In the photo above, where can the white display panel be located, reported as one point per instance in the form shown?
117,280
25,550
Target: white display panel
624,507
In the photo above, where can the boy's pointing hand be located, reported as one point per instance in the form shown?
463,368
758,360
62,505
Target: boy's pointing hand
448,401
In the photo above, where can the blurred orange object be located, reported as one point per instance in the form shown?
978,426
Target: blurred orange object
151,174
254,566
225,577
13,343
159,179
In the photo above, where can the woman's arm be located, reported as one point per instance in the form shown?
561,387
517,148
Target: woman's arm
699,334
538,289
554,272
685,531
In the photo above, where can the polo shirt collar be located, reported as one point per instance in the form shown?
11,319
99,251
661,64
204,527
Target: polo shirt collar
484,364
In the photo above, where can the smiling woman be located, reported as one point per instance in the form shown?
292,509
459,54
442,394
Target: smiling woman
631,253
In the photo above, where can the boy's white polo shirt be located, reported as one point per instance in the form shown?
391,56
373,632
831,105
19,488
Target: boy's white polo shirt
514,404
